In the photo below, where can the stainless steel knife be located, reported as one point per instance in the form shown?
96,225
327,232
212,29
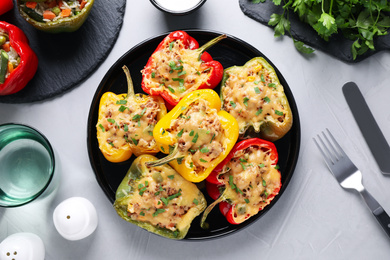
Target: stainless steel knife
368,126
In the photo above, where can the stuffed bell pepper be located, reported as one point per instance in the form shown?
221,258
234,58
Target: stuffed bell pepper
196,134
178,66
126,121
6,5
158,199
245,182
55,16
18,62
253,94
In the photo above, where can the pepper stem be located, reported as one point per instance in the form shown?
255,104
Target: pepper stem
208,44
130,85
172,156
203,223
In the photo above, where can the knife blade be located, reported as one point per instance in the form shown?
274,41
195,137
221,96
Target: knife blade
368,126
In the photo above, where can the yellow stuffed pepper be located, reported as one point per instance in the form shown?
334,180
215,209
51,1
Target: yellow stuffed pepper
126,121
196,134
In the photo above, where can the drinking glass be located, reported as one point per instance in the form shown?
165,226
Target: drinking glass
27,164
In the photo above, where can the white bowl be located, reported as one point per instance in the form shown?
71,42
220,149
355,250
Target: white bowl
178,7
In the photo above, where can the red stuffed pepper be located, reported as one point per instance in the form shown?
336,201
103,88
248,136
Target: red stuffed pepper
18,62
245,182
5,6
178,66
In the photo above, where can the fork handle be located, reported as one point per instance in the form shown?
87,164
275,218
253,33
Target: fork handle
380,214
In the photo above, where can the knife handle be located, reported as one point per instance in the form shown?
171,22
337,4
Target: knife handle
380,214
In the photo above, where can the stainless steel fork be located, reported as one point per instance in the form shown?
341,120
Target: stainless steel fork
349,176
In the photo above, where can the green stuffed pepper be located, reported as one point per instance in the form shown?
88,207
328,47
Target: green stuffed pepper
158,199
55,16
253,95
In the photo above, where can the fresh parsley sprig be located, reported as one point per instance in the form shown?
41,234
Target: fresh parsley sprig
360,21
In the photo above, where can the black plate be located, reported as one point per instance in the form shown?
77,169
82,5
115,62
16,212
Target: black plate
229,52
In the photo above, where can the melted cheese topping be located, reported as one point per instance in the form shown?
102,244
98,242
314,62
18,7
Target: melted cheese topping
164,199
251,181
252,96
128,122
176,70
199,134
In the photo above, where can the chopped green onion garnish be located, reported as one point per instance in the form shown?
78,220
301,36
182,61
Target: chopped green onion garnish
212,138
243,166
136,117
262,78
272,85
121,102
122,108
181,73
158,211
143,111
180,133
204,150
195,138
279,113
246,101
181,81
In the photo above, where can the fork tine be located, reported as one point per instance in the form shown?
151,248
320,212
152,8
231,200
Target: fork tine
342,153
326,157
330,148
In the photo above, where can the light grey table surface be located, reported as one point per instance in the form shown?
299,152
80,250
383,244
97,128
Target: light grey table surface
313,219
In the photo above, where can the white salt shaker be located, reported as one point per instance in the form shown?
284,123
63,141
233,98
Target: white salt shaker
22,246
75,218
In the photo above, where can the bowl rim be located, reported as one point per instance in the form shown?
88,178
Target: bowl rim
181,12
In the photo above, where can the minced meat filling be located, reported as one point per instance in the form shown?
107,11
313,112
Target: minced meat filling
199,133
250,95
130,123
176,69
160,200
252,177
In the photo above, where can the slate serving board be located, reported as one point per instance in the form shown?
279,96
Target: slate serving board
337,46
67,59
